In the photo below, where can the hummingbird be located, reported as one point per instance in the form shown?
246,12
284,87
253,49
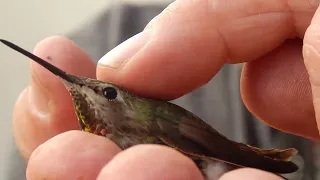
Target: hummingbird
108,110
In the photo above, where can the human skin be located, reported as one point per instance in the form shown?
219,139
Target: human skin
181,49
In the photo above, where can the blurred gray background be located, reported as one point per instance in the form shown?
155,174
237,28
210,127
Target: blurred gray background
98,26
26,23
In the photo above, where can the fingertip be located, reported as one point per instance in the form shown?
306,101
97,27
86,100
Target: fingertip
71,155
48,96
248,173
64,54
156,60
150,162
45,108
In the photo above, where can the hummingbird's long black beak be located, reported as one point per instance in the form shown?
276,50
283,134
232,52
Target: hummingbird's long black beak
40,61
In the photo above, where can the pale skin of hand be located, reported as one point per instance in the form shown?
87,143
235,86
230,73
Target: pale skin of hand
183,47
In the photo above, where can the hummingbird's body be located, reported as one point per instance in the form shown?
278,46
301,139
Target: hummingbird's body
108,110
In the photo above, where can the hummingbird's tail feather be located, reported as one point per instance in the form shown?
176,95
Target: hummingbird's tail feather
278,154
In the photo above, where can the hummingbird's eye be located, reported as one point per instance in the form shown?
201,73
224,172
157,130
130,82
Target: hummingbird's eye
110,93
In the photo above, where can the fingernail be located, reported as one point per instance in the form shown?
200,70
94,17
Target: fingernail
39,97
125,51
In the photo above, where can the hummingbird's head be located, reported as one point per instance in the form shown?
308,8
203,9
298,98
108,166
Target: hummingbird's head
98,104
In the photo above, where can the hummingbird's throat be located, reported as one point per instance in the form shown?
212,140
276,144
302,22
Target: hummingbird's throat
82,120
98,129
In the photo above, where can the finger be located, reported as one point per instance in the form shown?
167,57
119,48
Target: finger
45,108
155,162
277,90
248,173
185,46
71,155
311,47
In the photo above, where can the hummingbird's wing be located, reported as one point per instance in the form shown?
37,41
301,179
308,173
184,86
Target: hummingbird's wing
194,137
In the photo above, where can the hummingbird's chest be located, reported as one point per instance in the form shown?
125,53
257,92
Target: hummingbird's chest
133,130
126,137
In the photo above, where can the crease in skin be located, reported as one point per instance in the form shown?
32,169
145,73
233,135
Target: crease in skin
316,104
38,113
245,24
43,114
247,8
276,16
310,52
275,13
142,49
147,34
301,6
227,58
315,89
287,8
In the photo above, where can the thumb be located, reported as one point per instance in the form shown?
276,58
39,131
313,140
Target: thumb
311,48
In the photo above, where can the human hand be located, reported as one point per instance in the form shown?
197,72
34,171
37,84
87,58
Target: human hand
188,42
